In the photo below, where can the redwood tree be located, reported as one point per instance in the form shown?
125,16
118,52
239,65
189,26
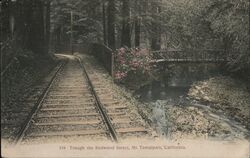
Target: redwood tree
137,24
126,35
111,24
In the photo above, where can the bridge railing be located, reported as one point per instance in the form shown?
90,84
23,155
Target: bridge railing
208,55
104,55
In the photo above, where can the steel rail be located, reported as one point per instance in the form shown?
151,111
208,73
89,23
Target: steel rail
35,109
103,113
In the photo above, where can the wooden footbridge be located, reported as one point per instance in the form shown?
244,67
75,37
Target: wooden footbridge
202,56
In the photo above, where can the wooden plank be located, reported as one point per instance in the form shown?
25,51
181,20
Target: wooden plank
69,91
73,106
68,123
188,55
51,98
116,107
187,60
122,120
116,113
130,130
67,101
68,133
69,104
67,109
110,102
69,95
70,87
67,115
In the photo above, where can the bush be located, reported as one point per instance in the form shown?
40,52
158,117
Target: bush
131,63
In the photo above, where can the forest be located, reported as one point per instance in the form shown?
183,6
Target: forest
159,71
43,26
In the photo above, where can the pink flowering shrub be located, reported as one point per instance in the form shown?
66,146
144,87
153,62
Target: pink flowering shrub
133,61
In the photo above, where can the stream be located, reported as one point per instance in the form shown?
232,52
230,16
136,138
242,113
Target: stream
173,89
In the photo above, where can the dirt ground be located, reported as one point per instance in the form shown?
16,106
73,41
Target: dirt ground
227,94
188,122
22,83
28,70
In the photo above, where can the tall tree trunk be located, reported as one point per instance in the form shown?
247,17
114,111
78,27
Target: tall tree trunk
138,25
126,37
104,22
227,42
111,24
36,34
47,25
58,39
12,18
5,16
156,27
137,31
21,30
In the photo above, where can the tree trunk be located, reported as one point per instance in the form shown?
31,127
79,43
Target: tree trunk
47,25
137,32
5,19
104,22
36,41
156,27
111,24
138,25
126,37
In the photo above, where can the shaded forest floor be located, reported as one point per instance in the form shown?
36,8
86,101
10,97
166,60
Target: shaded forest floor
22,87
23,74
226,94
189,122
218,109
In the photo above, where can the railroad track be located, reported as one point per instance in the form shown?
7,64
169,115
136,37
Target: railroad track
76,106
126,123
16,113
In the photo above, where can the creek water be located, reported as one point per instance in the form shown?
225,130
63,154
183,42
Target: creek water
173,87
175,81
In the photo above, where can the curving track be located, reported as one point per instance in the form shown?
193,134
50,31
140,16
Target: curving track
76,106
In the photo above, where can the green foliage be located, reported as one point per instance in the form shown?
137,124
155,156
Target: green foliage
131,62
86,19
214,24
192,24
230,20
